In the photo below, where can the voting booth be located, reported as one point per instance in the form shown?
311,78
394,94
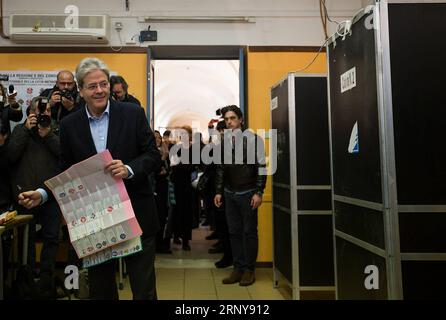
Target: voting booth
302,215
387,128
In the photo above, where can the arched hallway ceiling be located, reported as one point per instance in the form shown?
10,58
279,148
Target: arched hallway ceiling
187,92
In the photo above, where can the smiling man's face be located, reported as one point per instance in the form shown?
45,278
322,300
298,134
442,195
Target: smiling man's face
96,91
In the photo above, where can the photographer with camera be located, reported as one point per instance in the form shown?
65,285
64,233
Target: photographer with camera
63,97
33,153
10,110
5,191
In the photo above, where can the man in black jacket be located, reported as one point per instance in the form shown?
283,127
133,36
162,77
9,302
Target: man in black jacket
64,97
242,184
121,128
5,193
33,153
119,88
5,196
10,110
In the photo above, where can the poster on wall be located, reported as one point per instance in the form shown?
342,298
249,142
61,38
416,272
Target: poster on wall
28,84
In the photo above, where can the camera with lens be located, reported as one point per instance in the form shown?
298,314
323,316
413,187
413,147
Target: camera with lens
220,111
3,120
66,94
43,120
10,110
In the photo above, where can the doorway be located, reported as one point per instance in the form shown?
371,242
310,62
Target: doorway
188,85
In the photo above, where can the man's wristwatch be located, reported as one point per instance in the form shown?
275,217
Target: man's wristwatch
260,193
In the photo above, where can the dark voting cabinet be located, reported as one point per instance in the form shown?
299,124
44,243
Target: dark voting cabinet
387,107
302,215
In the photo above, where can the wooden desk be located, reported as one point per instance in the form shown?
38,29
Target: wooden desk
17,222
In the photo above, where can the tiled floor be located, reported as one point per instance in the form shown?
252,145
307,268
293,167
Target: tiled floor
191,275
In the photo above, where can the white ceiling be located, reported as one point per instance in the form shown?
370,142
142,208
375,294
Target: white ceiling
187,92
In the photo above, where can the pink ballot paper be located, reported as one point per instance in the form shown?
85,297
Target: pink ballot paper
97,210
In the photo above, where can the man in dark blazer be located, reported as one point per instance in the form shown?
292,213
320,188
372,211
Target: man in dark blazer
119,90
122,129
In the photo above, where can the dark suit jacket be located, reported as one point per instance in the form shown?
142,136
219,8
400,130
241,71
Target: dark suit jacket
132,99
5,187
130,140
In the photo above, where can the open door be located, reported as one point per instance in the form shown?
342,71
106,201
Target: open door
242,60
150,89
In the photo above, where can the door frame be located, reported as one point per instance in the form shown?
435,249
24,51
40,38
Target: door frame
165,52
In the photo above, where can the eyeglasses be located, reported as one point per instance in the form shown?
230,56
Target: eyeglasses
93,86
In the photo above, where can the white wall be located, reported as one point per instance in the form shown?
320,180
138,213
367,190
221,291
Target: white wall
276,22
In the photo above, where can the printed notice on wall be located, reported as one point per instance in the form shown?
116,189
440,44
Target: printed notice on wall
348,80
97,209
28,84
